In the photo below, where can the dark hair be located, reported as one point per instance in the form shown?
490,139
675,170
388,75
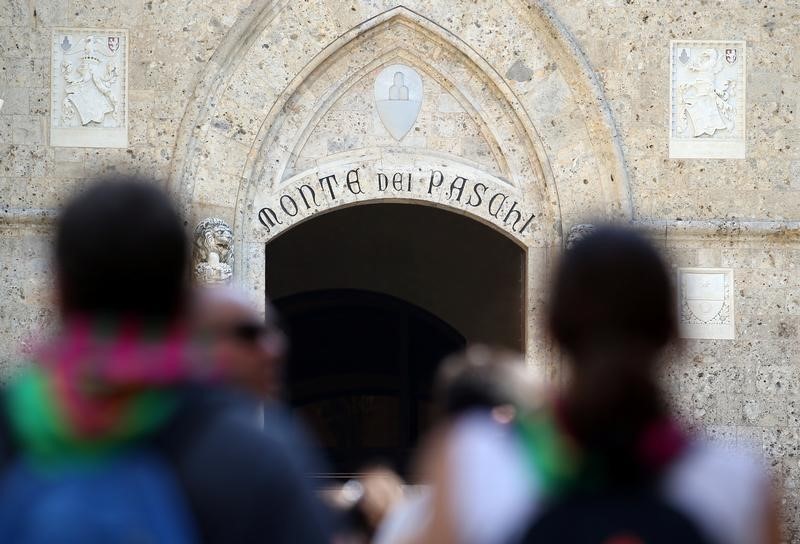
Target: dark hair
612,311
121,250
612,286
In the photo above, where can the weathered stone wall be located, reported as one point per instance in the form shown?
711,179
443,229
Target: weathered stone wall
747,390
563,107
627,44
170,45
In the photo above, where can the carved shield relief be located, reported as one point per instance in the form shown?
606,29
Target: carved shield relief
704,295
398,97
706,302
707,99
89,88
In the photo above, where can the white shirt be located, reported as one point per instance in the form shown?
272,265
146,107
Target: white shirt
723,490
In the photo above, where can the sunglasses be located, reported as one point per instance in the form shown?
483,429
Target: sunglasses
249,332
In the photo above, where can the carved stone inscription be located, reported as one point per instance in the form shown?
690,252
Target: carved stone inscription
706,302
88,88
707,99
486,198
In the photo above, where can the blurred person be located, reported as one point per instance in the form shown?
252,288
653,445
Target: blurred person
612,462
607,461
112,434
383,490
365,502
345,500
252,350
478,396
486,380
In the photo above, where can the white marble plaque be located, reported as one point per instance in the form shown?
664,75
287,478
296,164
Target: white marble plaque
398,97
705,298
707,99
89,88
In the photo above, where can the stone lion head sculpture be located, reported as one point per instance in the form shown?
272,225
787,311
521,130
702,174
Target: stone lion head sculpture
213,250
577,233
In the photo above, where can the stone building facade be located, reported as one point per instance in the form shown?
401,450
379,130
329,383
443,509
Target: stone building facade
530,118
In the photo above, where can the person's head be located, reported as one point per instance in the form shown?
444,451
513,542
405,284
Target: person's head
484,378
250,348
612,312
612,296
121,252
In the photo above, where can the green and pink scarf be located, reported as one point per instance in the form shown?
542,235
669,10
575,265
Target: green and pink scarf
102,384
562,464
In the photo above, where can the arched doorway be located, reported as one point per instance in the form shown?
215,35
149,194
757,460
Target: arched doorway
375,295
347,388
275,123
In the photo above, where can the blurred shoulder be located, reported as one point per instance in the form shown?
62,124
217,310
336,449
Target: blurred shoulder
724,488
221,423
712,461
240,481
494,490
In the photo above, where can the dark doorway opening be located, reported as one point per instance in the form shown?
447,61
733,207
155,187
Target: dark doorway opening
367,397
375,296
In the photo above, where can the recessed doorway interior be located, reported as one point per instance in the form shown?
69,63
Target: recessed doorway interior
374,296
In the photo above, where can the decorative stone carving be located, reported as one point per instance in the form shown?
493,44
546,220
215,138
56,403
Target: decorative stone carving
705,297
88,88
707,99
213,251
398,97
578,233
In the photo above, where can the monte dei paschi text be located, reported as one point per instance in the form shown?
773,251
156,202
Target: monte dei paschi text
459,190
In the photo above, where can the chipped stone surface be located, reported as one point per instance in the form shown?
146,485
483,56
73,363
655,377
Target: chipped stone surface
519,72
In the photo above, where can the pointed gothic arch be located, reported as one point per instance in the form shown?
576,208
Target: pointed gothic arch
555,154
